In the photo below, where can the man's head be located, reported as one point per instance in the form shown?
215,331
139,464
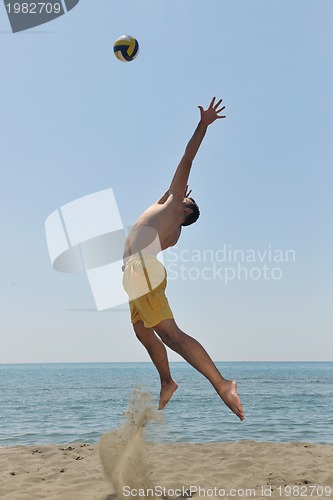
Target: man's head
191,211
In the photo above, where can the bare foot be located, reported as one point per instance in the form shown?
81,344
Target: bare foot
167,390
228,392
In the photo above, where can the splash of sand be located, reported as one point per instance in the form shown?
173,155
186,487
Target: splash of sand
123,451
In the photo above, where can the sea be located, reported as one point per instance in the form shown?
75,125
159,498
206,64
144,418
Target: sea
66,403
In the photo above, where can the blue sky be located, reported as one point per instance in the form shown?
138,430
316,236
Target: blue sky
75,120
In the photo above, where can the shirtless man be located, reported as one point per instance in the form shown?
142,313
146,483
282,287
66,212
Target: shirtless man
158,228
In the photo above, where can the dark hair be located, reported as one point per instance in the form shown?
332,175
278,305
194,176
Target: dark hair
194,216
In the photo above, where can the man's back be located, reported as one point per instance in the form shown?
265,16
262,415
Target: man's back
157,228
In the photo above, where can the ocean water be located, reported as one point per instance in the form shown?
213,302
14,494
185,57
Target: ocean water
64,403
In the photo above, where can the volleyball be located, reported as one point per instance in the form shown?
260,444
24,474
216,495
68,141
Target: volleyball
126,48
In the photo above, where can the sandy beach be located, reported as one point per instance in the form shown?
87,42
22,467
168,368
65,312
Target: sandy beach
240,470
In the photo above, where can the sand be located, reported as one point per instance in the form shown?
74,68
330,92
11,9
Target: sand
124,466
257,470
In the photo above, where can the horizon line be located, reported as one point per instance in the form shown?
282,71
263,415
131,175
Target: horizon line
175,361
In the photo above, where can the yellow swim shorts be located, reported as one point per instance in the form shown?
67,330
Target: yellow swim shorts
145,281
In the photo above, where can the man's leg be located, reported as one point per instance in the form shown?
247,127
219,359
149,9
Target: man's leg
193,352
158,354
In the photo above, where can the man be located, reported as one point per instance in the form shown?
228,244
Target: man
158,228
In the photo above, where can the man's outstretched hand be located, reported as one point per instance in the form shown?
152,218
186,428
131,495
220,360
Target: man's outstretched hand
211,114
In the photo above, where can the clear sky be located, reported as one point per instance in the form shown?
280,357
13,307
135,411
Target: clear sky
75,120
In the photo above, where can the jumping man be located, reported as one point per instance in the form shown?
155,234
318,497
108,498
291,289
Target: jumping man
144,280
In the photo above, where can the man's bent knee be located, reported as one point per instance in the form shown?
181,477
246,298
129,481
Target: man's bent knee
144,334
140,329
169,332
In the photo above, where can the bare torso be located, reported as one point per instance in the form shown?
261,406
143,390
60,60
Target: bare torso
157,228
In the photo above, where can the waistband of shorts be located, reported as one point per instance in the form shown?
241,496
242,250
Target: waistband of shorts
135,259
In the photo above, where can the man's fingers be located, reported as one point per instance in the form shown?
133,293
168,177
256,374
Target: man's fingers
212,102
219,110
213,109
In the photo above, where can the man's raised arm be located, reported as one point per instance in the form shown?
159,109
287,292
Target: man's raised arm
207,116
